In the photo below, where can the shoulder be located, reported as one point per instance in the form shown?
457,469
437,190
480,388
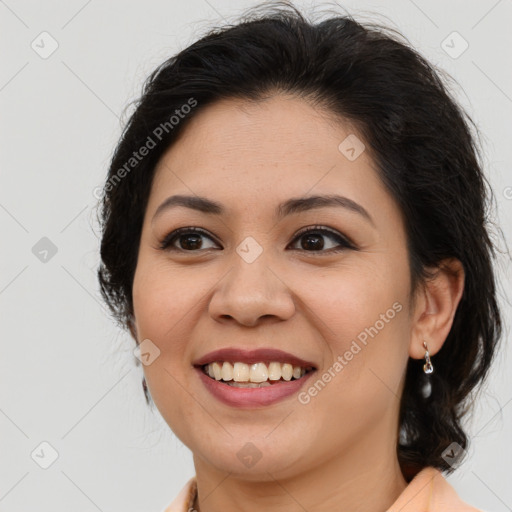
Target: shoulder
430,491
185,498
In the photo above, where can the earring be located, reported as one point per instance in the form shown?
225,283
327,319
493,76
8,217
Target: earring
427,367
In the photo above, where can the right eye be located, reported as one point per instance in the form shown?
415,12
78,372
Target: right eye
189,239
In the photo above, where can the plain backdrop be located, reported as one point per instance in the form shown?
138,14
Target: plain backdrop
70,394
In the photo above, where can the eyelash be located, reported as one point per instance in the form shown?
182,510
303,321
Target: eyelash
344,242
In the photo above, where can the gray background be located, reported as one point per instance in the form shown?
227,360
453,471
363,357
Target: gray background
68,375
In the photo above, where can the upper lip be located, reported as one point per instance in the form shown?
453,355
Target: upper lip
251,356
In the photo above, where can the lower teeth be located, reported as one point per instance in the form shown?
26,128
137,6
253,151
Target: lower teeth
248,384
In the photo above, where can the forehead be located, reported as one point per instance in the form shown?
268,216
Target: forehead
282,146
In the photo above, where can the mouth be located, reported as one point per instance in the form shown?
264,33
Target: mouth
252,378
256,375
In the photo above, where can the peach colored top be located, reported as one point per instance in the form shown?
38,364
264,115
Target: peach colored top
428,491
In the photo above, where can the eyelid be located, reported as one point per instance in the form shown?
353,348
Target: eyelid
166,242
346,241
319,227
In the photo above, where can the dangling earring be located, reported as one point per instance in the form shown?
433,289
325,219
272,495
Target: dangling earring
146,390
427,367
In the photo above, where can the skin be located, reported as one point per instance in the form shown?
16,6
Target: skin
311,302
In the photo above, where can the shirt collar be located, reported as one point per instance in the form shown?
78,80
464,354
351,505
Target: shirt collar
428,491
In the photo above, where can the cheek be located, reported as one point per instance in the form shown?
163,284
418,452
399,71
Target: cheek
348,300
164,303
358,388
363,320
162,297
159,303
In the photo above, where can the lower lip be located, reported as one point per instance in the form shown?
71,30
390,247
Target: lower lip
252,397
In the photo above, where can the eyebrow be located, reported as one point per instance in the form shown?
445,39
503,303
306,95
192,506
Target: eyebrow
289,207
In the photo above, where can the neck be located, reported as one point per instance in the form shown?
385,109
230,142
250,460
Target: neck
363,478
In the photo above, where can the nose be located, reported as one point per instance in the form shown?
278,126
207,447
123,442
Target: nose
251,293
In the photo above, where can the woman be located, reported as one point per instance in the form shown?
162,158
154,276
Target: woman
294,234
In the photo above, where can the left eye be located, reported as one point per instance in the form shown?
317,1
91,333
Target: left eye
190,240
314,240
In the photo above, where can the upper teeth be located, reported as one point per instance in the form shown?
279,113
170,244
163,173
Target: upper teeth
257,372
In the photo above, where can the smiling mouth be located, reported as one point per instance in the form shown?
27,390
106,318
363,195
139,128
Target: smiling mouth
257,375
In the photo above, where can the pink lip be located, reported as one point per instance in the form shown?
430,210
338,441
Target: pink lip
251,397
264,355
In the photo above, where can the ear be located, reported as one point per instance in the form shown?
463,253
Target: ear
435,307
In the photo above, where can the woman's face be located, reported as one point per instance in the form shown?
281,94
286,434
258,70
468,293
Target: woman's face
336,299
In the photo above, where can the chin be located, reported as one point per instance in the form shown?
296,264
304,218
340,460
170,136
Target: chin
254,460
